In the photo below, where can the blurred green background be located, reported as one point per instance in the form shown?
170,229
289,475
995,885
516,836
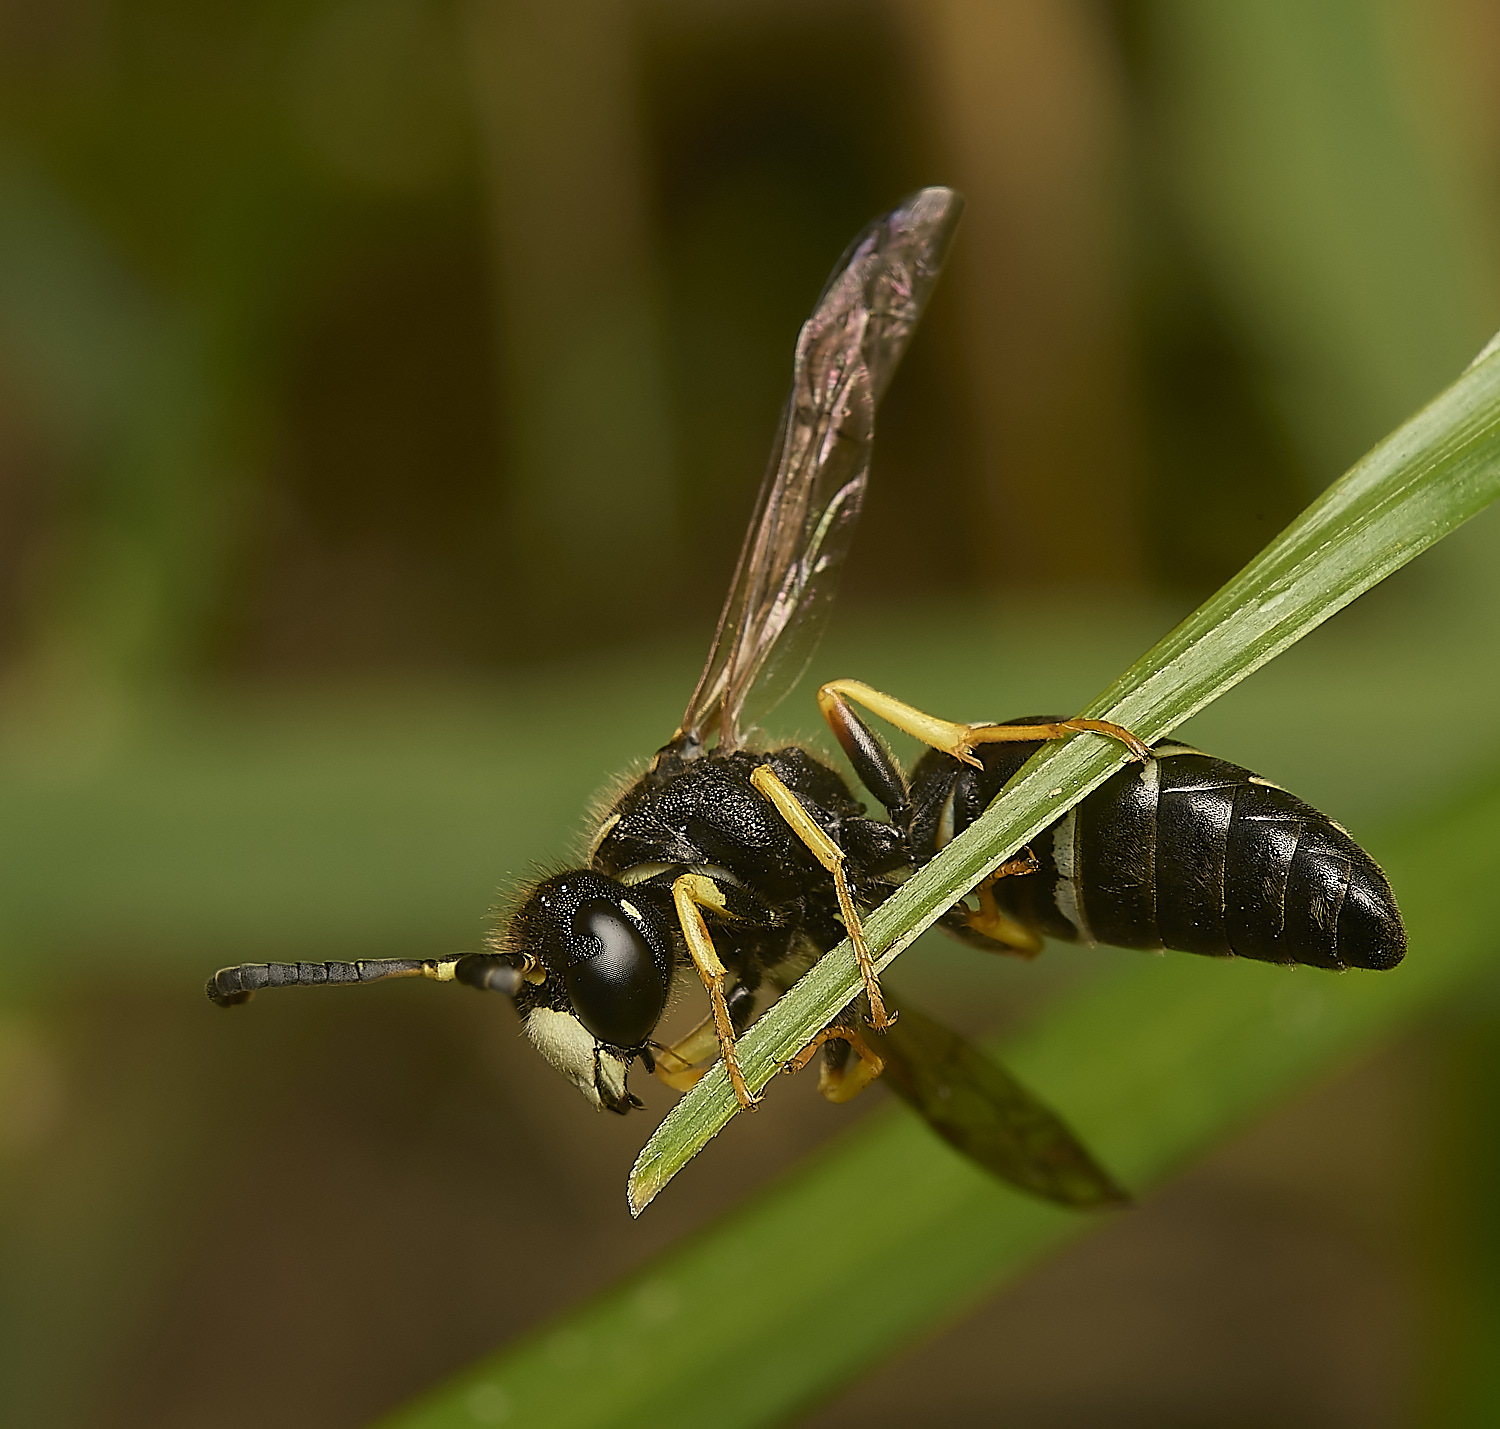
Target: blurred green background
384,386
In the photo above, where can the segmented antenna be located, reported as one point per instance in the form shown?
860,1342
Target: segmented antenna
231,986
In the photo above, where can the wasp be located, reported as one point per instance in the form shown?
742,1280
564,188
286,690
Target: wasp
740,863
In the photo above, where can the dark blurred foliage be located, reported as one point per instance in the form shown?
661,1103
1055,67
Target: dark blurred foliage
418,344
348,381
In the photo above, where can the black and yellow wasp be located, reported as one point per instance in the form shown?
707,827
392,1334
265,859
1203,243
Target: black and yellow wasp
742,863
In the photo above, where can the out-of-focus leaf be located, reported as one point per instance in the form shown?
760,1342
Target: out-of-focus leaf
984,1111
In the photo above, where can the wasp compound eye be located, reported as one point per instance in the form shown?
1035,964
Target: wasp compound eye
616,983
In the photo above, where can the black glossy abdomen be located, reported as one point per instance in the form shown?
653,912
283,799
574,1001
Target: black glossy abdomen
1188,852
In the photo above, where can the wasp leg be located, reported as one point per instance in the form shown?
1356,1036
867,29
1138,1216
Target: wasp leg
958,740
873,762
837,1081
231,986
990,922
678,1065
691,893
831,856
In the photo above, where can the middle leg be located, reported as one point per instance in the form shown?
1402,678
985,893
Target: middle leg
831,856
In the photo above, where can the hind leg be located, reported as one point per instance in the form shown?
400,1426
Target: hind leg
959,740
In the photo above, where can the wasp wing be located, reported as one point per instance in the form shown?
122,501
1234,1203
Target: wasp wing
788,568
977,1106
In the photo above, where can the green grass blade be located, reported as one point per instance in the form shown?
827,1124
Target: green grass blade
1425,479
742,1325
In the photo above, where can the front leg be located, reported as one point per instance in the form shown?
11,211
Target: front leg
691,893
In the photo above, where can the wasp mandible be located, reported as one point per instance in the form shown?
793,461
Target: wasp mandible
739,864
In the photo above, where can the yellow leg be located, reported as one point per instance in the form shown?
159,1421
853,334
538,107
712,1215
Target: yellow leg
831,856
691,893
1000,927
843,1086
959,740
677,1065
846,1084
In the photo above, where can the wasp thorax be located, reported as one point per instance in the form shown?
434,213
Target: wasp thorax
608,953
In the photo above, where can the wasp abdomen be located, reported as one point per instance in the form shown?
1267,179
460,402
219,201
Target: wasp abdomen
1186,852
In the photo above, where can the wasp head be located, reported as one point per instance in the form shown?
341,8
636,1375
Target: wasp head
599,969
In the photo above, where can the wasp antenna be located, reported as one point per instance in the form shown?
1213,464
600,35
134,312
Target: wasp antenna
229,987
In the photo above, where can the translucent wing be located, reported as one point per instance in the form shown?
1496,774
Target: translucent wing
975,1105
846,354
